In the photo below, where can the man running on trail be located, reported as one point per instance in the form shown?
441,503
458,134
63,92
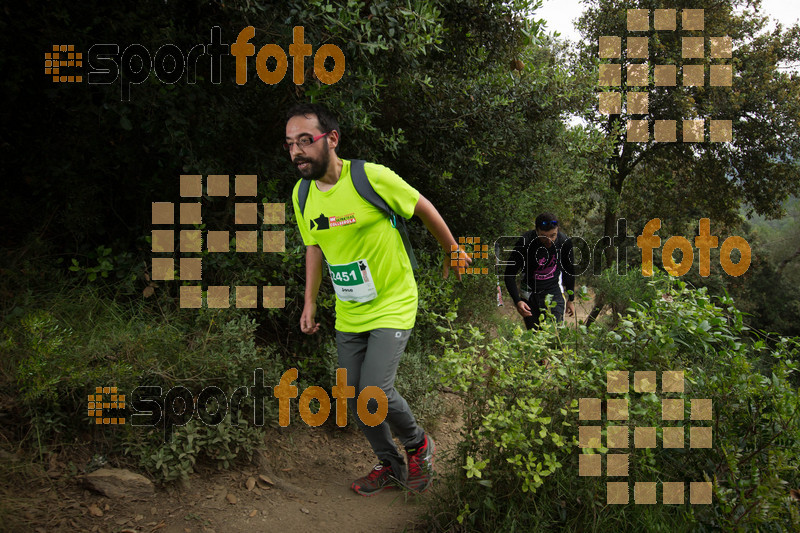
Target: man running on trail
543,254
376,294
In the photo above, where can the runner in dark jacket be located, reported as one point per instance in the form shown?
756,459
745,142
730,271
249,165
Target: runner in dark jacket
544,254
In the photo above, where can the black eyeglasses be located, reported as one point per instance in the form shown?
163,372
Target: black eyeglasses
548,224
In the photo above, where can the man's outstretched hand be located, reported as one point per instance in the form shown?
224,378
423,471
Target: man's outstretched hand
523,309
463,256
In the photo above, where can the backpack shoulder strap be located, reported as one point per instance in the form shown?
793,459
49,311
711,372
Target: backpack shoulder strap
367,191
302,194
364,187
302,197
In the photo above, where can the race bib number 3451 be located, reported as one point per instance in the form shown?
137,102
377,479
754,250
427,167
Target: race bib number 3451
353,281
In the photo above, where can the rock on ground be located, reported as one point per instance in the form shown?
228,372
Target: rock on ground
120,483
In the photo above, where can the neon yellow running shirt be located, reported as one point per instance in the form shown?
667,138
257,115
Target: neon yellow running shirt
348,229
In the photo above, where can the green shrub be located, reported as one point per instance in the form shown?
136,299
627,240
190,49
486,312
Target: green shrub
620,291
518,459
418,382
221,446
81,341
436,297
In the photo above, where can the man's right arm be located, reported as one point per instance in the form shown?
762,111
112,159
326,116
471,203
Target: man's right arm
516,262
313,280
518,256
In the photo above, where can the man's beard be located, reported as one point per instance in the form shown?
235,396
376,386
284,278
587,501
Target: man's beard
316,169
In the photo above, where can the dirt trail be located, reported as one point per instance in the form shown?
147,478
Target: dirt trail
582,310
311,470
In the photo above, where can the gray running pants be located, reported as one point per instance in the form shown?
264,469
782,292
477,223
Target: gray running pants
371,359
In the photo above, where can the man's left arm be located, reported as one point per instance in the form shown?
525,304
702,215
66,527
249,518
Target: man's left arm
438,228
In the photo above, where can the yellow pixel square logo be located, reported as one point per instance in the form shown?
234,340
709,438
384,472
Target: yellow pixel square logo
98,403
192,243
63,56
640,72
473,247
673,435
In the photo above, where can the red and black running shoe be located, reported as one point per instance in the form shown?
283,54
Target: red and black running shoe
381,477
420,466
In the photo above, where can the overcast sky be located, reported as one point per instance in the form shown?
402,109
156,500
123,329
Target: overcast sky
561,14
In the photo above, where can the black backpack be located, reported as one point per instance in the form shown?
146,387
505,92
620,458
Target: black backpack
367,192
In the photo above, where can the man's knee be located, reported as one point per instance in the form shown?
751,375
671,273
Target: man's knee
374,399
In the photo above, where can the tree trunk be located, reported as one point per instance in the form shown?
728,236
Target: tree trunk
608,234
599,304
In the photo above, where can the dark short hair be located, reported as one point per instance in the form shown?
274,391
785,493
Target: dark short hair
327,120
544,221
